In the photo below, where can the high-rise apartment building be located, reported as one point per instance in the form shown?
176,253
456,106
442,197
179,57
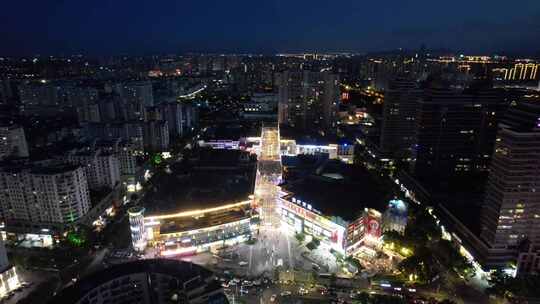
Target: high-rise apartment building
190,115
172,112
180,117
131,131
511,212
13,142
102,169
136,96
6,92
455,130
111,109
156,135
308,100
399,118
43,193
88,113
39,93
122,150
79,96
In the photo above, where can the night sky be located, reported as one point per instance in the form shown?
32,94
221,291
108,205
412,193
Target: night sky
102,27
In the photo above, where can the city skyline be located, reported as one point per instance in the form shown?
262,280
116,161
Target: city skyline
273,152
138,27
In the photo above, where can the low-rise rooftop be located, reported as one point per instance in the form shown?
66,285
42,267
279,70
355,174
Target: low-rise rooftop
337,189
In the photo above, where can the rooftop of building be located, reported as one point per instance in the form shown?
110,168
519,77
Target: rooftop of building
215,178
54,169
208,157
88,151
181,224
46,168
57,149
9,126
338,189
231,131
523,116
183,271
303,138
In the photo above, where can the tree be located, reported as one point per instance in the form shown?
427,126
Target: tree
448,255
314,244
363,297
421,265
353,261
392,236
396,240
422,229
300,237
503,285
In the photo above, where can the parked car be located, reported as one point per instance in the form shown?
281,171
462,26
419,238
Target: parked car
286,293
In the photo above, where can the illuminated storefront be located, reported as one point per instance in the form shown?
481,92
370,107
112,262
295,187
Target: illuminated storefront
303,218
9,280
343,151
364,231
347,237
191,232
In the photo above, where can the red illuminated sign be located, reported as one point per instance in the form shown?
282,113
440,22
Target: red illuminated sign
373,226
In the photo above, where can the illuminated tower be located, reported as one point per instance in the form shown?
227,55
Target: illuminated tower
136,224
510,219
268,175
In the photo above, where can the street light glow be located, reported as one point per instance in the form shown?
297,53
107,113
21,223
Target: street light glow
196,212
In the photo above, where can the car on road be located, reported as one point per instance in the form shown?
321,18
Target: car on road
302,291
286,293
243,263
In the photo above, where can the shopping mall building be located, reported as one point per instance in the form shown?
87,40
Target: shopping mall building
347,237
327,199
190,232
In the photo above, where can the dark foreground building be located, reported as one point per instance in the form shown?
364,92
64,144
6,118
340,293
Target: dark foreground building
146,282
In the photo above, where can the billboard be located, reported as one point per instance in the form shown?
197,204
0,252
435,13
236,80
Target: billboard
372,223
